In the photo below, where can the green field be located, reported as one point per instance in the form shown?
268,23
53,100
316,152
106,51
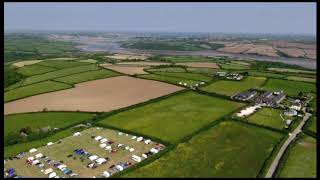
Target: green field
59,73
291,88
184,58
313,103
34,89
301,159
167,69
291,70
203,70
312,124
168,79
13,150
304,79
61,64
233,66
14,123
241,63
87,76
268,117
188,111
266,74
229,149
229,88
189,76
34,69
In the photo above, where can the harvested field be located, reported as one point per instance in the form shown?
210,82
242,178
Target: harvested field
94,96
129,56
24,63
237,48
200,64
144,63
262,50
169,79
126,69
62,63
292,52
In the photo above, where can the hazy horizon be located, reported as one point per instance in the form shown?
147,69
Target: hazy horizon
228,18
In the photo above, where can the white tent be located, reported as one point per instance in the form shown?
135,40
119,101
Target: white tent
39,155
144,155
134,137
98,138
77,134
131,149
101,160
31,158
120,133
148,141
154,150
61,166
127,147
139,139
49,143
119,145
108,148
47,171
103,140
106,174
35,161
185,84
53,174
127,134
102,145
93,157
136,158
32,150
120,168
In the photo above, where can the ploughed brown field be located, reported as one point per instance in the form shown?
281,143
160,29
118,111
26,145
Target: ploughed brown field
200,64
127,69
94,96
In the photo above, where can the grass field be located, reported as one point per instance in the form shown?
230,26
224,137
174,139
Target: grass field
14,123
189,76
313,103
34,89
233,66
291,70
229,149
241,63
301,161
304,79
87,76
184,58
13,150
34,69
59,73
266,74
168,79
291,88
61,64
268,117
312,124
229,88
203,70
60,151
188,111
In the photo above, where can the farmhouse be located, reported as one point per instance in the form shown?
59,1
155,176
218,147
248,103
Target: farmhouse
296,105
270,98
245,96
290,112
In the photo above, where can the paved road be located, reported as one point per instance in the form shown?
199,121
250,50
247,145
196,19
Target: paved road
285,145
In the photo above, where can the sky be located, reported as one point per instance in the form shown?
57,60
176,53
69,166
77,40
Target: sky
284,18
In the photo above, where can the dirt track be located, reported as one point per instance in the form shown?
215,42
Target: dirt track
95,96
